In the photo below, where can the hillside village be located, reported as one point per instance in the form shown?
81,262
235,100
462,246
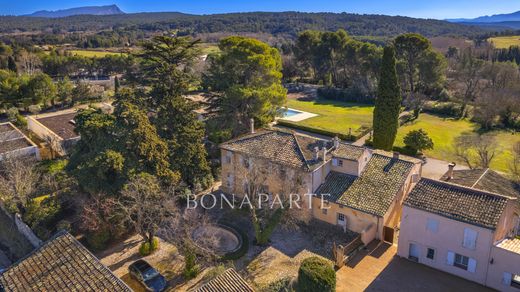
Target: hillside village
167,160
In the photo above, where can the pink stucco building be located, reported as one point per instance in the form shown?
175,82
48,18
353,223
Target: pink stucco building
462,231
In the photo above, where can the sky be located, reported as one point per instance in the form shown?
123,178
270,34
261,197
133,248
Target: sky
439,9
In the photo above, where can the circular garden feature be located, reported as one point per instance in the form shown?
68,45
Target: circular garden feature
217,238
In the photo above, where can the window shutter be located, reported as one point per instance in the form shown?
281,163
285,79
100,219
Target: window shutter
470,238
432,225
451,258
506,279
472,265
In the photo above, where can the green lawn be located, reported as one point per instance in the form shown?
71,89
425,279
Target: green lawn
334,116
504,42
443,132
92,54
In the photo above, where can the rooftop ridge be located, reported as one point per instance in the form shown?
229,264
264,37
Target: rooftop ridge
481,176
461,187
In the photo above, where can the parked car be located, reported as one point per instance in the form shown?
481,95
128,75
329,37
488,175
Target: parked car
143,272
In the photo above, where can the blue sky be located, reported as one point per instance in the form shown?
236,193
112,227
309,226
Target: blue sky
439,9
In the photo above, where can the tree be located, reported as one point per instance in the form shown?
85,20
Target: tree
467,79
418,140
476,150
316,274
116,85
18,182
246,77
113,147
29,62
144,204
11,64
81,92
65,90
422,69
165,67
515,162
40,89
388,103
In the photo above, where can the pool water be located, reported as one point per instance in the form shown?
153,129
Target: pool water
289,113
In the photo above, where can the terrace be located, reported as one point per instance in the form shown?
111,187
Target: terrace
13,143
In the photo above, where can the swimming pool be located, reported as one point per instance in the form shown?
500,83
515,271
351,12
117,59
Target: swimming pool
290,112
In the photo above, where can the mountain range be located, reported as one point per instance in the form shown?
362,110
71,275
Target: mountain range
497,21
86,10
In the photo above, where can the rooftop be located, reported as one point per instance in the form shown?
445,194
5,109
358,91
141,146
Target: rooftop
279,146
456,202
375,189
348,151
486,180
12,139
60,124
60,264
229,281
510,244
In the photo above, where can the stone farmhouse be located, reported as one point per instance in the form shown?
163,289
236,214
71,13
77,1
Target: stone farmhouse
362,190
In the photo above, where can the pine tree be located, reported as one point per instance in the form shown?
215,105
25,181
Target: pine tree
388,103
116,85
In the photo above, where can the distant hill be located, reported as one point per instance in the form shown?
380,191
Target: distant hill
273,23
515,16
87,10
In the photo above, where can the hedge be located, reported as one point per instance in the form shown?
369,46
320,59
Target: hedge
362,131
347,95
316,274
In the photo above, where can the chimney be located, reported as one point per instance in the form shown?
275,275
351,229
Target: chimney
451,167
336,142
316,153
252,125
396,155
324,153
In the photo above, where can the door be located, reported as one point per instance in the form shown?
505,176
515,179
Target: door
413,253
388,234
342,221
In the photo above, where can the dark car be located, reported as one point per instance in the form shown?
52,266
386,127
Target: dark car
147,275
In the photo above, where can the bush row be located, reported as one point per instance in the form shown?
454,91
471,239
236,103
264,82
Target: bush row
451,109
359,133
347,94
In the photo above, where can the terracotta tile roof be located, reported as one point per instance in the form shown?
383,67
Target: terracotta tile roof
348,151
485,179
60,264
510,244
456,202
375,189
229,281
278,146
335,185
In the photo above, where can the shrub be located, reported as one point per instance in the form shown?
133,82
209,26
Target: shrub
155,244
450,109
144,249
64,225
191,269
99,239
418,140
316,274
280,285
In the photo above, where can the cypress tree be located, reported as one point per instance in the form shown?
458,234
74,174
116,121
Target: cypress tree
388,103
116,85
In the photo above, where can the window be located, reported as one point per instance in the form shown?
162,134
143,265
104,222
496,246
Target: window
245,162
470,238
340,162
461,261
341,217
324,211
430,253
432,225
515,281
337,162
227,158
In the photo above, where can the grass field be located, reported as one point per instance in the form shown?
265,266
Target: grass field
92,54
334,115
504,42
208,48
443,132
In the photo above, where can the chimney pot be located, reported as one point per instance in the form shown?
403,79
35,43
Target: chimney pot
336,142
324,153
396,155
252,125
316,153
451,167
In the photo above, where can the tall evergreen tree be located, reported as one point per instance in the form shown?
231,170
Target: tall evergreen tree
388,103
116,85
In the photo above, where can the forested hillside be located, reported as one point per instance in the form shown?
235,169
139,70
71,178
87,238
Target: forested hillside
282,23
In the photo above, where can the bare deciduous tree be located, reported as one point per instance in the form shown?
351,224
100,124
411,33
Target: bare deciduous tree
29,62
18,180
477,151
515,162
